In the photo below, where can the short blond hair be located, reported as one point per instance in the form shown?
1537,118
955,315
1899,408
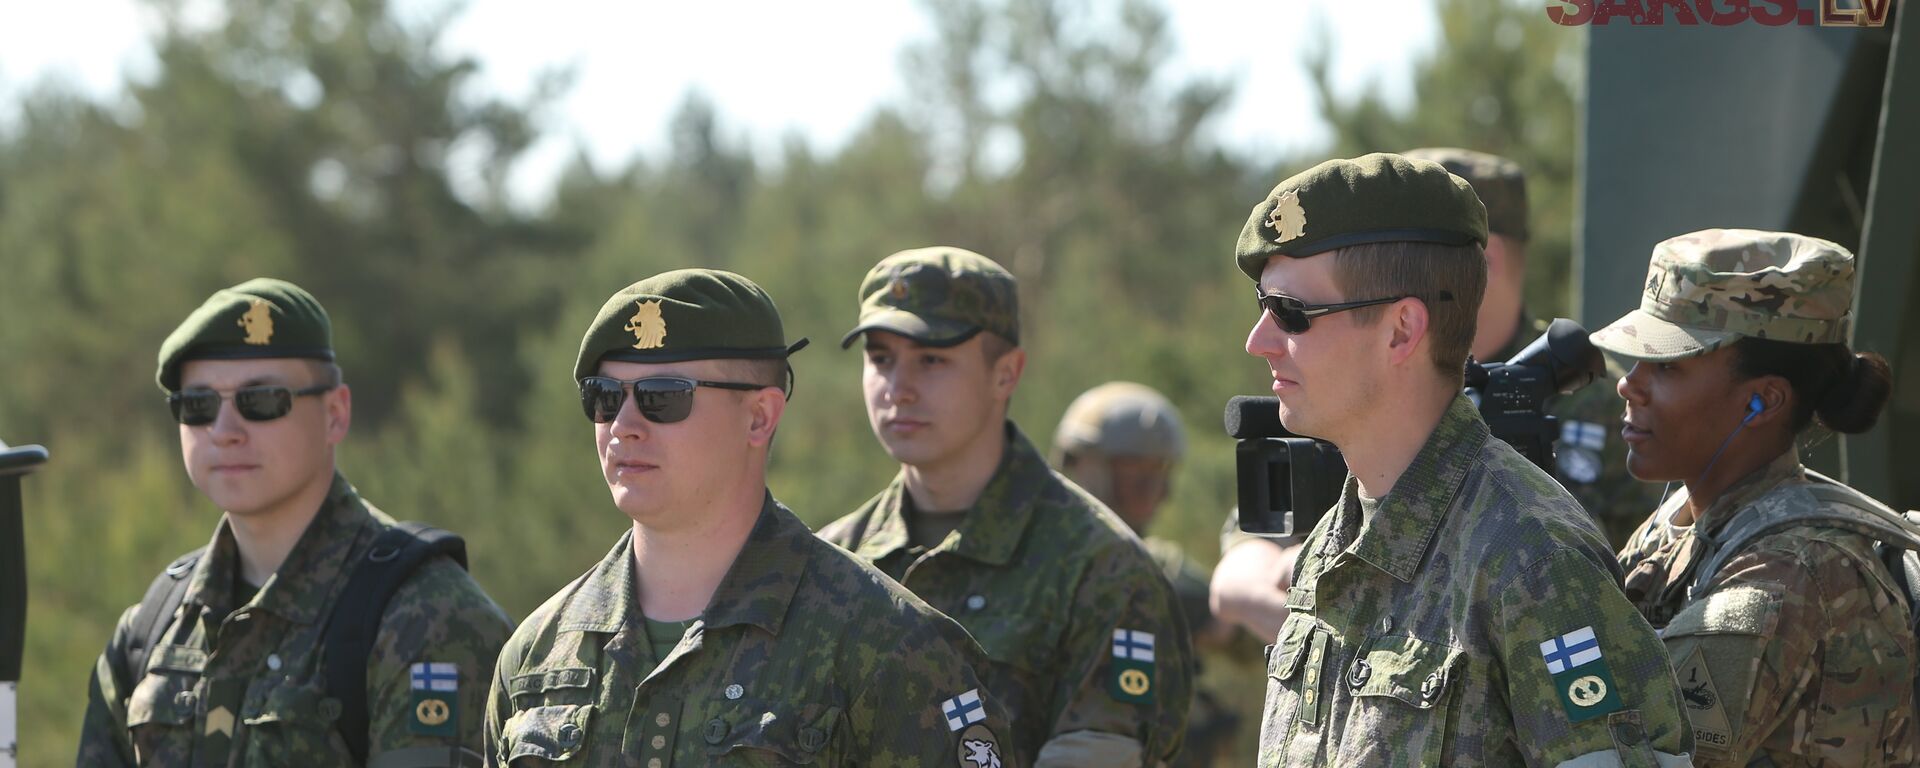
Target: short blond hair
1424,271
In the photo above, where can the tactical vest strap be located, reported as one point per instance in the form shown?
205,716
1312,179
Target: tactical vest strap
150,621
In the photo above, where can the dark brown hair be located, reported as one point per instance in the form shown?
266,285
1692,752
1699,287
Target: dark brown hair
1846,391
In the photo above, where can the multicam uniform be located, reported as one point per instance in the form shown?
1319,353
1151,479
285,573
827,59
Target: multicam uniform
1797,650
1084,633
240,681
804,656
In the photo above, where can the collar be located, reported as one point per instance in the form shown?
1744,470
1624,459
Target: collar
1397,538
298,590
993,527
1782,469
757,589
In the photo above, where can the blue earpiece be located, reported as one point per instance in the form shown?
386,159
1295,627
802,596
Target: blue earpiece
1754,406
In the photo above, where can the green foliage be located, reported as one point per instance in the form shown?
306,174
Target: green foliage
312,141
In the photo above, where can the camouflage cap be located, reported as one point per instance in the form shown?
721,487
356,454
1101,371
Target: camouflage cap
1121,418
1377,198
1707,288
686,314
260,318
939,297
1499,182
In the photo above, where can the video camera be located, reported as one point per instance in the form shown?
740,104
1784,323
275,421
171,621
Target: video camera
1287,481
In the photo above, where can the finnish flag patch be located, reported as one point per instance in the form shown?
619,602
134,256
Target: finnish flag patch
964,710
1581,680
1132,678
435,707
1133,644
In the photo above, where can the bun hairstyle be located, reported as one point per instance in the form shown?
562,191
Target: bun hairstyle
1844,390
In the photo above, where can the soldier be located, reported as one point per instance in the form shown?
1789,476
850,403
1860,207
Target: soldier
1120,442
1790,637
1456,606
717,630
1085,635
1254,573
235,657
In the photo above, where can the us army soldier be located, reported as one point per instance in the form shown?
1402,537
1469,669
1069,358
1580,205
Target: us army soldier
1085,635
237,674
1456,606
716,631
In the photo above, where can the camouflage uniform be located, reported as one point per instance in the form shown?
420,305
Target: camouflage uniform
1044,577
1797,650
1416,634
1472,615
804,655
242,683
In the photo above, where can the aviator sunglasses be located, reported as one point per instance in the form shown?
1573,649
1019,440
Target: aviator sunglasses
199,407
1295,316
661,399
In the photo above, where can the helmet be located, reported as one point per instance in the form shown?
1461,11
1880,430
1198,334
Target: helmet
1121,418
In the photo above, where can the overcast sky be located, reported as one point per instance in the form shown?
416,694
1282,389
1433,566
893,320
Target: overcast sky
816,68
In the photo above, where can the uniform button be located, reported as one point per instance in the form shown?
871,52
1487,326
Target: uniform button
273,661
812,739
1628,733
659,742
1430,688
1361,671
569,734
653,762
662,719
184,701
716,730
734,692
976,602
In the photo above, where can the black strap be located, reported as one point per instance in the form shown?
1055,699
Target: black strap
150,621
355,620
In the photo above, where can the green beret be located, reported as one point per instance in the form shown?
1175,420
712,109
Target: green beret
1377,198
1499,182
939,297
686,314
259,318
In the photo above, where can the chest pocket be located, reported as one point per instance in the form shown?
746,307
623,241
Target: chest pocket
292,725
1291,697
545,735
160,713
1402,689
765,733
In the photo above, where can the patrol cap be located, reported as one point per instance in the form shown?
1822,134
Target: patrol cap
1708,288
1375,198
260,318
938,296
1499,182
685,314
1121,418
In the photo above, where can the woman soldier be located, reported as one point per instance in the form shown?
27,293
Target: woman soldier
1790,638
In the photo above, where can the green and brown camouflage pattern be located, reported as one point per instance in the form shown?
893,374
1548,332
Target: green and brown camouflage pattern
261,661
1499,182
1415,632
1043,574
1705,289
804,656
1797,652
938,296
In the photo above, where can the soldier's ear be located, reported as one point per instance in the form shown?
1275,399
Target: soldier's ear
765,407
1007,370
339,404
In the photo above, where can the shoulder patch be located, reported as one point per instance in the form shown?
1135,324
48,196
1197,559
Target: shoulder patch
979,748
1132,678
964,710
434,702
1705,709
1581,680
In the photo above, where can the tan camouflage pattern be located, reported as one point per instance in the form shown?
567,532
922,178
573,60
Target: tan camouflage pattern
1121,418
1705,289
1042,574
805,655
260,662
1499,182
1415,632
1797,652
938,296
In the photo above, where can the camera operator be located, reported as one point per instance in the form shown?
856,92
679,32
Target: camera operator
1456,606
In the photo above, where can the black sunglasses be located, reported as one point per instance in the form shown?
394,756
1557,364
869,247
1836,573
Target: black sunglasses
661,399
1296,316
199,407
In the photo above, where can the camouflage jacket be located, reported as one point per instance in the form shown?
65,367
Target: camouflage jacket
243,684
1590,459
1474,619
804,655
1797,650
1084,632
